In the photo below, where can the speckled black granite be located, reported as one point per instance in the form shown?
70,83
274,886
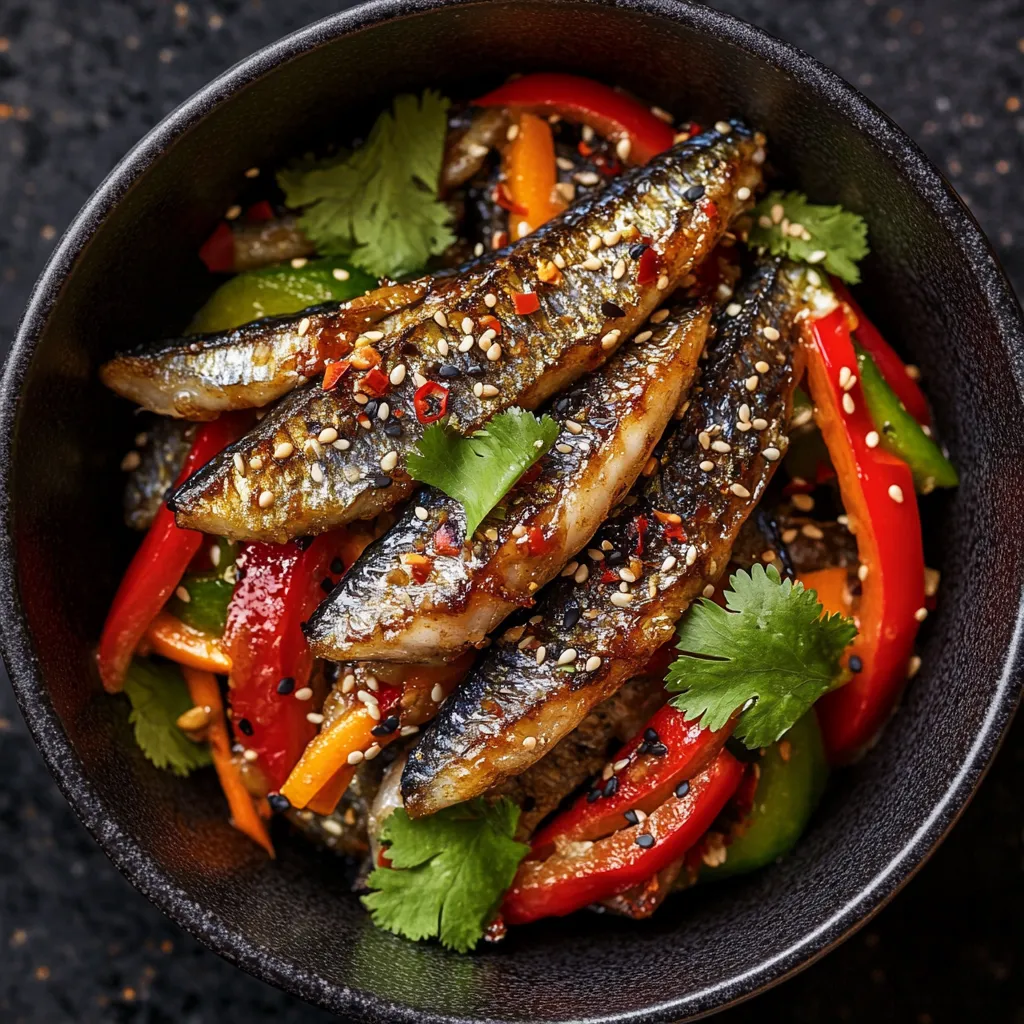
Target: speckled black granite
79,83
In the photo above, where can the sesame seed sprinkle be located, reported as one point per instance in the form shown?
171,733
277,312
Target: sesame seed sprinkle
304,693
567,656
921,614
490,300
529,742
593,663
592,263
355,757
772,454
871,439
541,654
266,499
621,600
733,309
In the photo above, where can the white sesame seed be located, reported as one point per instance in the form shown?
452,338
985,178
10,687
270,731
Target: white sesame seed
348,684
739,490
592,263
183,595
366,697
362,399
342,445
610,238
239,463
466,344
314,718
733,309
721,447
817,256
593,663
570,568
658,316
761,366
355,757
418,379
542,653
709,590
256,462
587,178
705,439
662,283
759,424
627,576
802,502
250,755
317,473
564,448
871,439
573,427
595,554
862,572
611,339
304,693
723,127
848,404
669,563
266,499
284,450
340,274
397,375
593,242
494,353
409,730
770,333
478,389
621,600
743,193
567,656
771,454
490,300
487,337
751,382
619,270
466,325
389,461
440,319
303,326
623,147
744,413
643,336
327,436
921,614
691,555
489,391
437,693
811,531
558,259
913,667
529,742
581,575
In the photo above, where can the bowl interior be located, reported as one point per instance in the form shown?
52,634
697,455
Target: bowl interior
132,274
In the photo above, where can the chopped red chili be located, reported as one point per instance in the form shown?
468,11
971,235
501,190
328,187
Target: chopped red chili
333,373
490,323
218,251
375,383
537,543
525,302
445,541
709,208
419,566
647,267
430,402
641,530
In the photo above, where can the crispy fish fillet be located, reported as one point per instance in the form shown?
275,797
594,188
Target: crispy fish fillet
158,456
200,376
321,459
598,627
404,600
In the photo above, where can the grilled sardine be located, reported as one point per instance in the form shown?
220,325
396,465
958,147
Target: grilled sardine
200,376
598,626
427,592
321,458
154,465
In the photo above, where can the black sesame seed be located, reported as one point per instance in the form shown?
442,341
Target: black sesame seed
610,310
594,794
279,803
643,748
571,617
651,735
448,371
245,727
327,584
562,406
382,480
286,685
474,371
856,665
693,193
658,750
371,407
615,558
393,429
682,789
645,840
631,817
611,787
636,251
387,727
337,566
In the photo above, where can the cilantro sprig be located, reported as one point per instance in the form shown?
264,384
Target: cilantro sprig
479,470
448,872
786,224
159,696
379,205
771,645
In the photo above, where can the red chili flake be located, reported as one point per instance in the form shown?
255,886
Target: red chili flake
490,323
641,529
798,485
525,302
584,149
674,531
694,129
647,267
375,383
259,212
445,541
333,373
419,566
430,401
536,542
823,473
609,168
218,251
709,208
609,577
503,197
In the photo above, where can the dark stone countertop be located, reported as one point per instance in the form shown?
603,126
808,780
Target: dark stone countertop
80,82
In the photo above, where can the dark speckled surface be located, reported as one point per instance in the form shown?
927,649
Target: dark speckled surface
79,83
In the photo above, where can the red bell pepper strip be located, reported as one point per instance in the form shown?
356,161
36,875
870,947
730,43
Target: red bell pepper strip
667,751
159,563
889,364
571,878
878,491
271,663
611,114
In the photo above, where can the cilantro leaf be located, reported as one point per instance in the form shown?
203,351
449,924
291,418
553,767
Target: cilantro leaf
159,696
479,470
831,235
772,646
379,205
449,872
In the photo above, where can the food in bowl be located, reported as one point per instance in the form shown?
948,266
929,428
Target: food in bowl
531,514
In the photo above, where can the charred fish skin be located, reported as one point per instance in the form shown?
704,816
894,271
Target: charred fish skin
583,268
158,456
200,376
599,626
426,592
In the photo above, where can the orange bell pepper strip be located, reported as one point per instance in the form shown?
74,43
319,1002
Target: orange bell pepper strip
205,693
531,176
877,490
831,587
171,638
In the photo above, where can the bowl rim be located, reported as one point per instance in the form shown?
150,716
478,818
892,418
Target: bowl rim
16,643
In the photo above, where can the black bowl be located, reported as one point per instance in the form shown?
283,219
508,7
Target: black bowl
127,270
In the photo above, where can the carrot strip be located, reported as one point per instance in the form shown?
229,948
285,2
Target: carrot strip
245,813
326,800
171,638
532,174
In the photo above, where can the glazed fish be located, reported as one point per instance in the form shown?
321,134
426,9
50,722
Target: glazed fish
200,376
600,622
513,330
427,592
154,464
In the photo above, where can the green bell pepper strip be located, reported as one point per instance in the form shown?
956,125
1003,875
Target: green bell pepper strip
276,290
788,790
900,433
207,607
